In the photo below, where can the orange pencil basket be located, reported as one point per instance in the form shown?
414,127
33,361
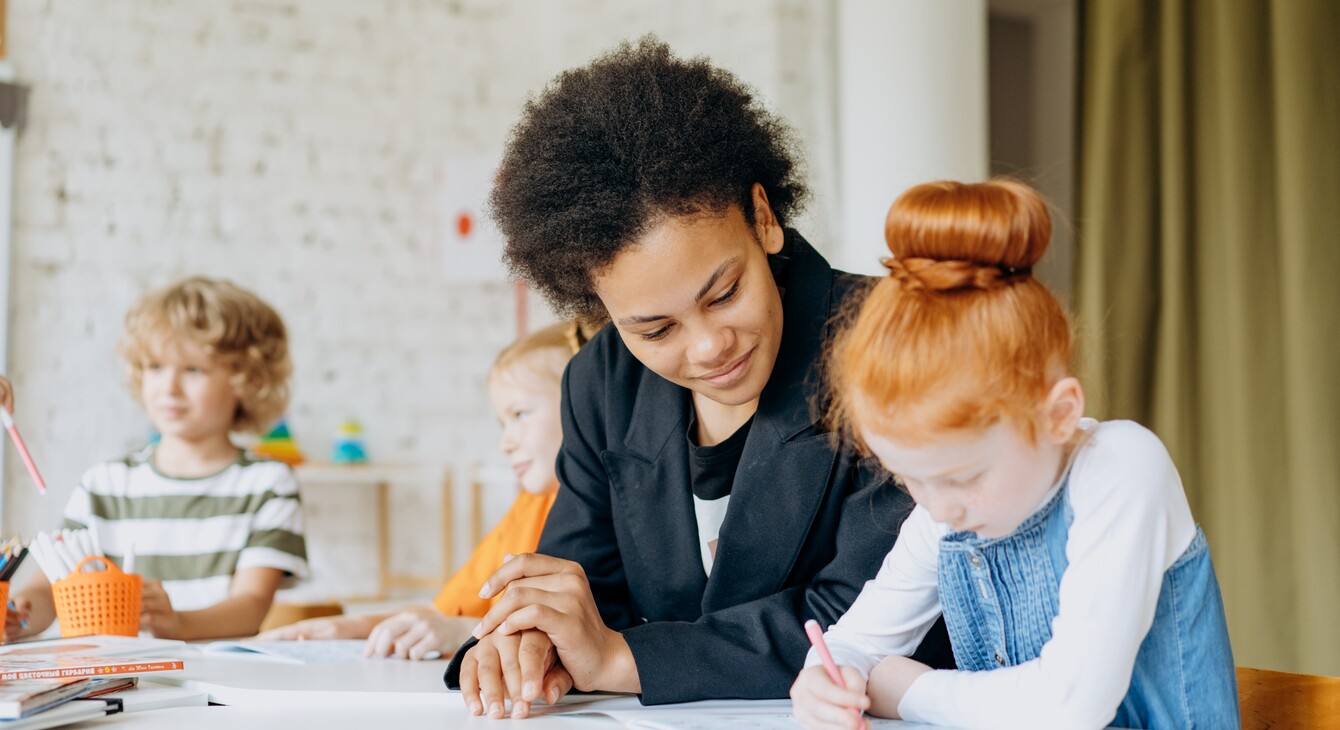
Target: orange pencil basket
98,602
4,599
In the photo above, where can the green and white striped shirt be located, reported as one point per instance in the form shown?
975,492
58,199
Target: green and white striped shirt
194,533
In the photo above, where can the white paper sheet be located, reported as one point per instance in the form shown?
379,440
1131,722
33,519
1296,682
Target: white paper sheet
329,651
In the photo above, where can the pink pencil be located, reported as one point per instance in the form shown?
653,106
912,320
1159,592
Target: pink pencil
23,449
816,635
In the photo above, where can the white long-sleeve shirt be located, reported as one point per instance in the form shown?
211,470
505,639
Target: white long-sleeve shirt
1131,523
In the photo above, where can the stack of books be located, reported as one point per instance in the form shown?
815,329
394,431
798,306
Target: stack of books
40,680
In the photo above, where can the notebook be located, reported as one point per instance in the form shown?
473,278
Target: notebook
93,646
704,715
690,721
24,697
65,714
88,656
151,696
324,651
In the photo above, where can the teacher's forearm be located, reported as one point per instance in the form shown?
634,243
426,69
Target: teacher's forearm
686,661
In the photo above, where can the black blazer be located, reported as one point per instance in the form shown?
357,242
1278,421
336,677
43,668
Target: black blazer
806,527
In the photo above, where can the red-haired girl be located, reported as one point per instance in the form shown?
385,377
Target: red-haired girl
1077,588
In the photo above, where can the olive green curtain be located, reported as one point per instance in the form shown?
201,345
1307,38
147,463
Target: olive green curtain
1208,286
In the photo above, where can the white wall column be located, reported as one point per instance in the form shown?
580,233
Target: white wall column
12,101
912,107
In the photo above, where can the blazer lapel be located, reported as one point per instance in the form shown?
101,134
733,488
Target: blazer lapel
778,489
787,462
650,484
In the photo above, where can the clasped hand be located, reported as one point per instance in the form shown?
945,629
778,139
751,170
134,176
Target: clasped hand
542,638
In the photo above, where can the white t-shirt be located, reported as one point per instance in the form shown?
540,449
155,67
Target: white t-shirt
1131,523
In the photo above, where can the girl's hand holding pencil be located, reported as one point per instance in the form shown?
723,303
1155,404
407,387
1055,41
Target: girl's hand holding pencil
819,702
829,696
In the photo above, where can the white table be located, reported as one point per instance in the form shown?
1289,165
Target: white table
325,717
339,711
246,681
373,695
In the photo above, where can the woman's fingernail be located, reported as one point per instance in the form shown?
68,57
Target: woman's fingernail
495,710
553,695
477,631
474,708
507,557
528,689
518,710
484,591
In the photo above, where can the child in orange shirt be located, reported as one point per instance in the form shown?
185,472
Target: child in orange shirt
524,393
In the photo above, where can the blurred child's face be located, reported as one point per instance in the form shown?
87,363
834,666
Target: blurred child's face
526,405
187,393
990,480
987,481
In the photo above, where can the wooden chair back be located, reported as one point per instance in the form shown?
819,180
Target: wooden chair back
1282,701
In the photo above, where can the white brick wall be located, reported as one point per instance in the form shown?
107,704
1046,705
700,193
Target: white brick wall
292,147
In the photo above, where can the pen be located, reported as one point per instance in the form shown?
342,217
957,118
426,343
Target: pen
53,558
43,560
65,555
74,544
85,542
816,635
23,449
11,565
93,539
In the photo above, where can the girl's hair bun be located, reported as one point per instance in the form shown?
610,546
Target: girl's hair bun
953,236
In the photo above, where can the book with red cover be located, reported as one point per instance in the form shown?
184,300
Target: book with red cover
18,666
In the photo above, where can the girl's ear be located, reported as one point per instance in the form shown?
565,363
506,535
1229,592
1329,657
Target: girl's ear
766,226
1064,408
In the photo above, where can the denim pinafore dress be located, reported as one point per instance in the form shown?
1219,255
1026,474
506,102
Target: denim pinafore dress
999,596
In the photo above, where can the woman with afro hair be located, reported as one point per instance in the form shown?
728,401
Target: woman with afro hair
706,512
